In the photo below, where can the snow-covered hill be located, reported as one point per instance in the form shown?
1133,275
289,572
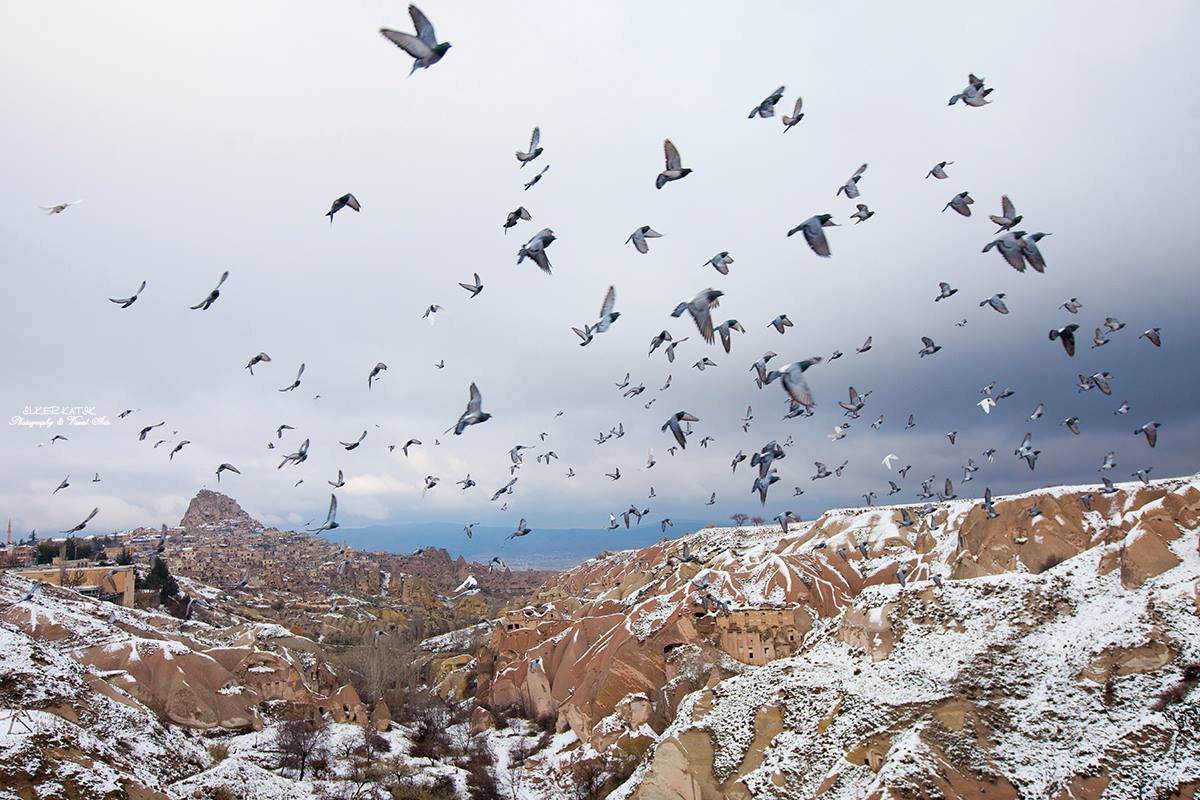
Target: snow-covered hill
827,661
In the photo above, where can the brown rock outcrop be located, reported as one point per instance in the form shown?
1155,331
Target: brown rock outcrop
209,509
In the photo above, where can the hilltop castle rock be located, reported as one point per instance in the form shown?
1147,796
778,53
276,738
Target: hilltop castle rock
216,511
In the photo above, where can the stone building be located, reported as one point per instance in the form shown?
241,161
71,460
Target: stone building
760,635
108,583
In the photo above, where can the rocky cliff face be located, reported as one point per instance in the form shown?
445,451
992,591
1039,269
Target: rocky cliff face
826,661
210,509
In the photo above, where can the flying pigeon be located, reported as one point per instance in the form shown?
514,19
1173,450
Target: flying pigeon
534,149
813,233
375,371
126,302
961,203
330,517
345,201
939,170
258,359
515,216
207,302
673,425
639,237
1008,216
424,47
767,107
227,468
850,187
296,383
790,122
699,308
535,249
83,524
674,166
474,413
1067,335
793,381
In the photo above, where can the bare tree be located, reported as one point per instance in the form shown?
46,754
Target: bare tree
299,742
739,519
758,520
515,773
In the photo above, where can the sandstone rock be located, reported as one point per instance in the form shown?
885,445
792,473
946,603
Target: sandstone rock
209,509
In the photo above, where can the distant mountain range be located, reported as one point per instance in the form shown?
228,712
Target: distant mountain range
544,548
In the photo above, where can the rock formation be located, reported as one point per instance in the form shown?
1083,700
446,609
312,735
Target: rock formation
216,511
827,661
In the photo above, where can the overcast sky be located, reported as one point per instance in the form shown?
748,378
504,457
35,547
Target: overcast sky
205,137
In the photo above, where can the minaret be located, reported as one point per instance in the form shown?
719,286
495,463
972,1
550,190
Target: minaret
9,542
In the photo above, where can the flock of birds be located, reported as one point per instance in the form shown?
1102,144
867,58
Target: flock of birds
1018,248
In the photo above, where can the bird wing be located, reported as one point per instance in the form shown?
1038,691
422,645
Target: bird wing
535,139
816,240
610,301
797,388
1007,208
858,172
672,155
424,27
475,403
703,319
407,42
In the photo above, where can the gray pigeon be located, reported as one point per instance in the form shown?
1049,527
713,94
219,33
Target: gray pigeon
474,413
724,330
676,429
207,302
227,468
126,302
535,249
996,301
375,371
939,170
534,149
720,262
974,95
533,181
767,107
961,203
516,216
475,288
862,214
813,233
424,47
522,530
699,307
1008,216
1009,247
345,201
1150,429
790,122
674,166
1067,335
793,381
639,237
258,359
850,187
296,383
